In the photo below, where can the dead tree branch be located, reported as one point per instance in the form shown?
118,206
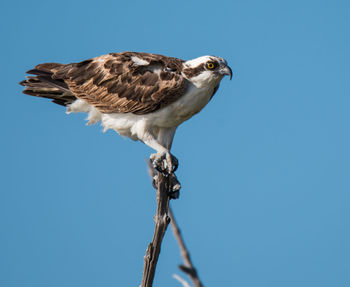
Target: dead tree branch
161,223
188,266
168,187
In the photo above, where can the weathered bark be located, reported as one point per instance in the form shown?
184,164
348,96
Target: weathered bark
161,223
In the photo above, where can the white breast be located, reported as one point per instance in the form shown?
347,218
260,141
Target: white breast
184,108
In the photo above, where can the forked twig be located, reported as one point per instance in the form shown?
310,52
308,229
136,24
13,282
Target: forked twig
166,185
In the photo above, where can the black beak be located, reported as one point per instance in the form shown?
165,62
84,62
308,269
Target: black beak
227,71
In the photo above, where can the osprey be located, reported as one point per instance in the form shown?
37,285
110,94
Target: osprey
140,95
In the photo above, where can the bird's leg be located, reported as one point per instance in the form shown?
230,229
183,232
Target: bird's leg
163,160
165,138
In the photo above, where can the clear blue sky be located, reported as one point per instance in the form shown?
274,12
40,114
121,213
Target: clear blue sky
265,168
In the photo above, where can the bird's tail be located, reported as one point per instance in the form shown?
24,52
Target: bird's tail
43,84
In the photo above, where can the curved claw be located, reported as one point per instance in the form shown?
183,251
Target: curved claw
175,187
164,162
172,161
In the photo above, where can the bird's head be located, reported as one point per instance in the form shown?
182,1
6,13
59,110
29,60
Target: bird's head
206,70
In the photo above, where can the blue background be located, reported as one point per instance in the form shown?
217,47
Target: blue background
264,167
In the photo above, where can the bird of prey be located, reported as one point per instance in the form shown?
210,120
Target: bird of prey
140,95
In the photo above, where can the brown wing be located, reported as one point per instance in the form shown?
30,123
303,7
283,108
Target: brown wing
114,83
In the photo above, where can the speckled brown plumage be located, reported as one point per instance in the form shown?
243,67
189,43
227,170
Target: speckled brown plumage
112,83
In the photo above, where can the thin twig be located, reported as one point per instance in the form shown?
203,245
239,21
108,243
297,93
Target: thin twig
188,267
161,223
181,280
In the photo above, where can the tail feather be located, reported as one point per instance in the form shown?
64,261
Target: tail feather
44,85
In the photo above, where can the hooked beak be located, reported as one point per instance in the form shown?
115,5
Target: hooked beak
227,71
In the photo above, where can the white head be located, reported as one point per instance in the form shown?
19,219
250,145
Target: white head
206,70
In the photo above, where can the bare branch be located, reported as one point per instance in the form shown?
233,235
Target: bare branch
161,223
188,267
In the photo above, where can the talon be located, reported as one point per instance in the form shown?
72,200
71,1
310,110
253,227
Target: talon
175,186
164,162
175,163
154,181
159,162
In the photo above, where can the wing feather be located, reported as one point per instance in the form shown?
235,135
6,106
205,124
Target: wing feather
116,83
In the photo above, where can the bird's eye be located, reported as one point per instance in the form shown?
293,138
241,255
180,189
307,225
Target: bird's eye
211,65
